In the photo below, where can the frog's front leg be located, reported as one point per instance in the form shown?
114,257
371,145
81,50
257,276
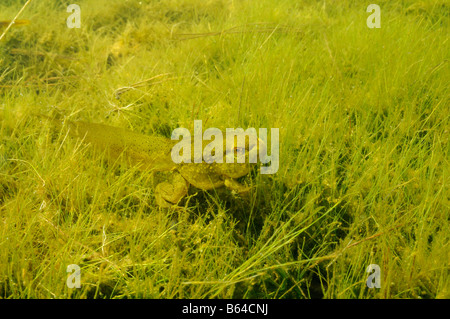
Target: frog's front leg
169,193
235,186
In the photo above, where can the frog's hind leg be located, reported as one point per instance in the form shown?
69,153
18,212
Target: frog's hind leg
167,194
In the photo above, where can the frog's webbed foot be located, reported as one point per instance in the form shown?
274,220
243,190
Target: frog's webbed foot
168,194
237,187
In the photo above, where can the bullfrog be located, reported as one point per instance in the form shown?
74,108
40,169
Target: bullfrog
153,153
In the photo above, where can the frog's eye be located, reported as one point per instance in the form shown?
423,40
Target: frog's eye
240,151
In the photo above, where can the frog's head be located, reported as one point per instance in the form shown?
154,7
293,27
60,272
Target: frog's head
240,154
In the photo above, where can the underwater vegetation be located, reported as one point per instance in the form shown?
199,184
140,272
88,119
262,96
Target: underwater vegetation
363,176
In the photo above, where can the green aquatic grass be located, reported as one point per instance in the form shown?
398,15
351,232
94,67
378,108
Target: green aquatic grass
364,144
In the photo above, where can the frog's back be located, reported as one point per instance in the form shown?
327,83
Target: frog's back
144,151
